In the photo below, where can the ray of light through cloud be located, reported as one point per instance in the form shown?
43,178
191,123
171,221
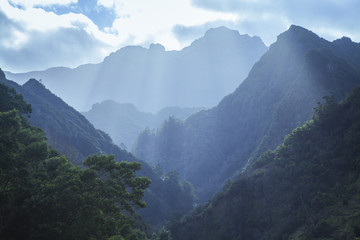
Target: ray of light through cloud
38,34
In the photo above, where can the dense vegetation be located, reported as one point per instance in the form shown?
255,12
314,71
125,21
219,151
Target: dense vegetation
308,188
72,135
44,196
280,92
67,130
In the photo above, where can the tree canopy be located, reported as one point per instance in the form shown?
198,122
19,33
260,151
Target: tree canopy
44,196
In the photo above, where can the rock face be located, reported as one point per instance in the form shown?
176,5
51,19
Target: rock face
280,92
151,79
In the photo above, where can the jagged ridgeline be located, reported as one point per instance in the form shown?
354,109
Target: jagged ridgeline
280,92
73,135
308,188
151,79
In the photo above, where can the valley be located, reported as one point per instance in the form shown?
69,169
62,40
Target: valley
224,139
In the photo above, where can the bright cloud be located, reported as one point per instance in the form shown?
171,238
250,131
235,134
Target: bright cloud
331,18
152,21
37,34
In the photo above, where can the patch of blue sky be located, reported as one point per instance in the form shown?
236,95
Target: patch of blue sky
99,15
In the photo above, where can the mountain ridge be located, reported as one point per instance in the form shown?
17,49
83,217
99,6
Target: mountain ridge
280,91
198,75
307,188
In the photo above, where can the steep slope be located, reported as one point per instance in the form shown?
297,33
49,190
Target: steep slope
281,90
124,122
67,130
197,76
308,188
73,135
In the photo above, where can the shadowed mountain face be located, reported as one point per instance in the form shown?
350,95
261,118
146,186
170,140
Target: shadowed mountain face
308,188
280,92
151,79
66,129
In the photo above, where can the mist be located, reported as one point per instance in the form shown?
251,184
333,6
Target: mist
151,79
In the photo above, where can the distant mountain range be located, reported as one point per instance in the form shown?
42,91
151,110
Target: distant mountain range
124,122
151,79
280,92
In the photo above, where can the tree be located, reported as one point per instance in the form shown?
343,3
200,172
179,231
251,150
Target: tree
10,100
44,196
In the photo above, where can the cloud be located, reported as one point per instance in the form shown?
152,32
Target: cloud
96,27
187,34
144,21
329,18
32,3
34,39
33,30
9,30
54,48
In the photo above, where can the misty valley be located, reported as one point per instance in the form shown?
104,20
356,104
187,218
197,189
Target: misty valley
225,139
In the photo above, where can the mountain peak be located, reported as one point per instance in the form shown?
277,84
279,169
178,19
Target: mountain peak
297,33
33,83
156,47
220,31
228,38
344,41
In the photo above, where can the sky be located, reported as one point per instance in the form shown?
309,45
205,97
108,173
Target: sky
39,34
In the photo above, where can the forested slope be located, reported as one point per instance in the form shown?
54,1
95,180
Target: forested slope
44,196
74,136
308,188
280,92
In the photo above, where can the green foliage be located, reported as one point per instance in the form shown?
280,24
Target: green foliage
308,188
71,134
325,110
10,100
44,196
118,181
162,234
170,197
280,92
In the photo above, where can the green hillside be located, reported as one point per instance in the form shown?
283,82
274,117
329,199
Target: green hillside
44,196
308,188
279,93
74,136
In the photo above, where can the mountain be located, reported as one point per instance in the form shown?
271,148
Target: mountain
72,134
124,122
151,79
308,188
280,92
